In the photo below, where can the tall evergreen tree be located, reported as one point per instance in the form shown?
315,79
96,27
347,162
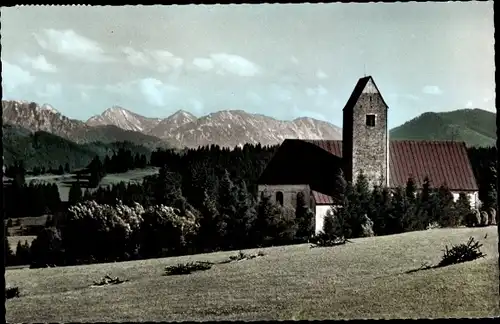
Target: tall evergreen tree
9,254
304,217
228,220
447,216
75,193
462,208
66,168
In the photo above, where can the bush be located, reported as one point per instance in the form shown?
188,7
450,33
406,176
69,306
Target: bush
367,227
46,248
11,292
472,219
9,222
325,240
461,253
187,268
484,219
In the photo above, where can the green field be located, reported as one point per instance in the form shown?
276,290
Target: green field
13,240
363,279
64,181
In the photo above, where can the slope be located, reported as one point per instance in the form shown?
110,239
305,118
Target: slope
476,127
48,150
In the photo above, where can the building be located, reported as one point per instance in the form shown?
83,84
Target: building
311,166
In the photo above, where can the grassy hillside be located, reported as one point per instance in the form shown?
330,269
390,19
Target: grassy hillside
475,127
49,150
363,279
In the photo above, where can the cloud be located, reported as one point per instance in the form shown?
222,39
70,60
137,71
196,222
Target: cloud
318,91
50,90
159,60
203,64
488,99
469,104
280,93
134,57
433,90
154,91
165,60
255,98
294,60
84,95
321,75
224,63
197,106
39,63
13,76
72,45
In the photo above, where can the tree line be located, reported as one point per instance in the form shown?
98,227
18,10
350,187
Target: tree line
215,189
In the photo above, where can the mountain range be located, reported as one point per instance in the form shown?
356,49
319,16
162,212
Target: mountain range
226,128
27,125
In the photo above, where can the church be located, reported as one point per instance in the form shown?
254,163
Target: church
311,166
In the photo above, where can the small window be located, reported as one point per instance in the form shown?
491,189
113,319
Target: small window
279,198
370,120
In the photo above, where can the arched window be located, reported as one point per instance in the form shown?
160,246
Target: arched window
279,198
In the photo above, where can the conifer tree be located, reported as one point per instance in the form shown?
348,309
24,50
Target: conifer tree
462,208
9,254
447,214
304,217
66,168
208,224
75,193
228,221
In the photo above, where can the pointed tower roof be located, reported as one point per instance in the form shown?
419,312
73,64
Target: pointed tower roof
364,85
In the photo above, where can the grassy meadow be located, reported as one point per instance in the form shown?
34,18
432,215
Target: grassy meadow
362,279
65,181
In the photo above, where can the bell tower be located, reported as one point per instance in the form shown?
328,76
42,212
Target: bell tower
365,134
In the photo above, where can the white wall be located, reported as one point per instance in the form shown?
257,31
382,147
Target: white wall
473,198
320,214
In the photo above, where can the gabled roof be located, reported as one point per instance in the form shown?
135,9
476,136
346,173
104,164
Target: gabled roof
321,199
358,90
444,162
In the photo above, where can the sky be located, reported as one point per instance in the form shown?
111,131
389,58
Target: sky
284,61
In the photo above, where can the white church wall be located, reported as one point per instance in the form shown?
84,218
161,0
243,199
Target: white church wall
319,217
473,198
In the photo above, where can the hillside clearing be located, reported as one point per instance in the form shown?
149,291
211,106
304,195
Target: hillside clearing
64,182
363,279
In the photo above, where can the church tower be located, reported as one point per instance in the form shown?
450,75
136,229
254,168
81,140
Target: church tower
365,136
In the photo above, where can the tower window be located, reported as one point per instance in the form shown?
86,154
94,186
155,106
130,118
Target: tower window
370,120
279,198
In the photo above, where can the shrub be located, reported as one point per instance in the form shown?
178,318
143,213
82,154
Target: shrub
9,222
11,292
367,227
484,218
461,253
472,219
187,268
433,225
46,248
238,257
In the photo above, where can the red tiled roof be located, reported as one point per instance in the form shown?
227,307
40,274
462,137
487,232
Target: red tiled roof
442,161
321,199
331,146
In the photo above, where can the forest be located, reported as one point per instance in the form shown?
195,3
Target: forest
206,199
